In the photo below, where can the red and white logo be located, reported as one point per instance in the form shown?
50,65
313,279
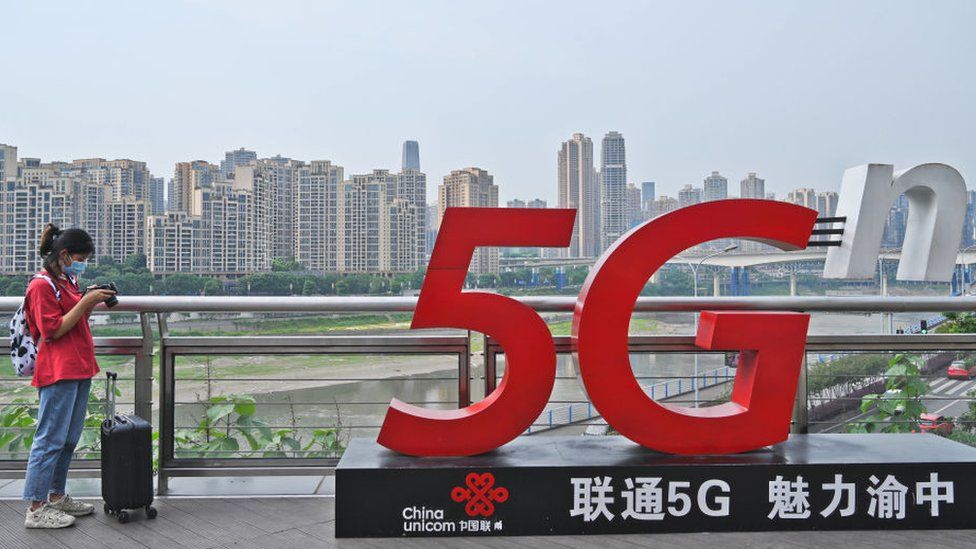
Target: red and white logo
480,493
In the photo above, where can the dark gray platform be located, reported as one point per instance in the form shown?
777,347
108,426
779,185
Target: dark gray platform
608,485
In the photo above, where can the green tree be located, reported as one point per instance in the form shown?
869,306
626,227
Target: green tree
417,278
308,288
959,323
183,284
135,263
213,286
377,285
487,280
898,409
288,264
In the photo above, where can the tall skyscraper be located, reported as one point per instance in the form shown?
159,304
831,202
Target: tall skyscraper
689,195
579,189
471,187
648,194
8,163
411,156
715,187
232,159
614,211
753,187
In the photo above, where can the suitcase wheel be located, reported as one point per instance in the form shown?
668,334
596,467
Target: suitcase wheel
123,516
107,509
151,512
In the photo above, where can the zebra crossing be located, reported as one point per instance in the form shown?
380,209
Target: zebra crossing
952,387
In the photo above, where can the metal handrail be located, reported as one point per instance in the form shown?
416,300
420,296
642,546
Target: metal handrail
170,346
342,304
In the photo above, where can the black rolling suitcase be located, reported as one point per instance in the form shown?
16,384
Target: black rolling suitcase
126,460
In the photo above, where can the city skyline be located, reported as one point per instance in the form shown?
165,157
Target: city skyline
763,102
239,216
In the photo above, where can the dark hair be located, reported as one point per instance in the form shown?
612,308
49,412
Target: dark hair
53,240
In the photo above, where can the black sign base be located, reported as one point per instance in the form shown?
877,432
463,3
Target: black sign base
608,485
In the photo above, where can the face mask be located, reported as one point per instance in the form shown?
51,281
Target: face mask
75,268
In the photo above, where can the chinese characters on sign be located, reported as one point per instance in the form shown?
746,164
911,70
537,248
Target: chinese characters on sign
647,498
654,499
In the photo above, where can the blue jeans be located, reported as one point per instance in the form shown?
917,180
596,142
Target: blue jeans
60,420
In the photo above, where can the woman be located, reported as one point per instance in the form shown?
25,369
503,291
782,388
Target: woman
62,374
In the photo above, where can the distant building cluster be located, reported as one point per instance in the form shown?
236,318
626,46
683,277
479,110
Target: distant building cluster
236,217
230,219
608,206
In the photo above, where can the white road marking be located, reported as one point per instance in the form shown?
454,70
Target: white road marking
949,386
936,385
962,388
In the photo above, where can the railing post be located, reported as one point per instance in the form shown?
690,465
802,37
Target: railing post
801,422
144,371
167,406
464,375
491,366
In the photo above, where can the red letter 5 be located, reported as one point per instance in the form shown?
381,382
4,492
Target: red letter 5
771,344
530,354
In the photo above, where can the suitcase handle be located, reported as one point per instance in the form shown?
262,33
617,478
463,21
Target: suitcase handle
110,380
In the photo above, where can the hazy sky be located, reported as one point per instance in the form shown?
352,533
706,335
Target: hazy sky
796,91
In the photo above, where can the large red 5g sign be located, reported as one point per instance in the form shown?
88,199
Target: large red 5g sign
770,345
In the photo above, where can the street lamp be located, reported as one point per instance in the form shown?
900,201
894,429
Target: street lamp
694,275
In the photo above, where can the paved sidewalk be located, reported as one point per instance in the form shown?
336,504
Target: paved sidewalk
286,523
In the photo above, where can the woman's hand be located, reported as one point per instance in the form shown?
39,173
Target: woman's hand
94,297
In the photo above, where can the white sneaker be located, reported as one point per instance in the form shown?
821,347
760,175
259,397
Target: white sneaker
72,507
46,516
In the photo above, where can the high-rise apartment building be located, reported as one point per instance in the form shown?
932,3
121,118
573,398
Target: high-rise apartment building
803,197
752,187
188,176
635,213
24,211
689,195
8,163
661,206
127,227
647,194
614,209
382,222
316,213
579,189
411,156
471,187
405,222
232,159
827,203
715,187
157,195
534,203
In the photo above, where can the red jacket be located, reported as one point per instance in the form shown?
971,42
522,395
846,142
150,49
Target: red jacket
72,356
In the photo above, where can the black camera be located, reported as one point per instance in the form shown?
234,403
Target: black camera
110,302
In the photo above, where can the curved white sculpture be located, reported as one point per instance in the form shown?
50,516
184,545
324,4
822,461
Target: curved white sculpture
936,211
